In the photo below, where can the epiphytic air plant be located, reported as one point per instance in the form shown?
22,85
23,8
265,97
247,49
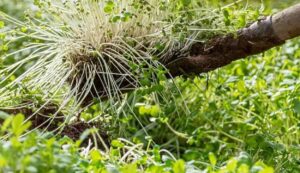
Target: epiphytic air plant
79,50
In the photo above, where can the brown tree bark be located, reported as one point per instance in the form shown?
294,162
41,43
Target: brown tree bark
257,38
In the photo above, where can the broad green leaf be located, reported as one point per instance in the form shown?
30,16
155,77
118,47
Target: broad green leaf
179,166
110,5
3,162
117,144
95,155
212,159
2,24
155,110
17,122
130,168
243,169
267,170
231,165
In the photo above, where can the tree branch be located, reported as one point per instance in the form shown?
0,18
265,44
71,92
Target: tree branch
257,38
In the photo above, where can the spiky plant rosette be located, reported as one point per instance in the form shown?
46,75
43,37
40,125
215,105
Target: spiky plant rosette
81,50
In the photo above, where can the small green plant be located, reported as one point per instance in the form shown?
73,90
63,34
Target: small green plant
46,153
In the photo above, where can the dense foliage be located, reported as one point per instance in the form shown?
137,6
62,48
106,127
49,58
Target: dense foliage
241,118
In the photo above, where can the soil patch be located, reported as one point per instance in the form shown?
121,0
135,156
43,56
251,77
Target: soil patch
42,120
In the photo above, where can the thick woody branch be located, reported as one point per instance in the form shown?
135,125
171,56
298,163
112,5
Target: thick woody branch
221,51
257,38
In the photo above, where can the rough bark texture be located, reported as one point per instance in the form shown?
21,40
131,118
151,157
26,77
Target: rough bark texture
286,24
259,37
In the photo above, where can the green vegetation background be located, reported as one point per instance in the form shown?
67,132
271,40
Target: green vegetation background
247,117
